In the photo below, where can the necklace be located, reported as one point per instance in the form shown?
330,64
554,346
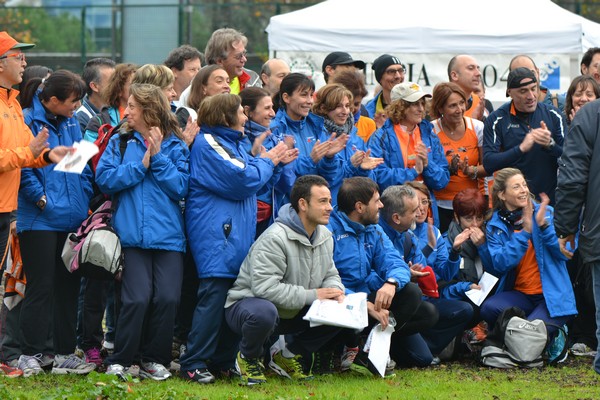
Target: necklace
445,130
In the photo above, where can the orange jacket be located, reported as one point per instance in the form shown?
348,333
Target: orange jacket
14,149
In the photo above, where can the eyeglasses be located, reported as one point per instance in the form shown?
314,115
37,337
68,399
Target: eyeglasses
239,56
392,71
20,56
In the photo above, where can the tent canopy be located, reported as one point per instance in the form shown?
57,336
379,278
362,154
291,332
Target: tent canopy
433,26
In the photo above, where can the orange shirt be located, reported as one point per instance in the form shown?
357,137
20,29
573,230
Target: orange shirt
466,147
407,144
366,126
528,279
474,105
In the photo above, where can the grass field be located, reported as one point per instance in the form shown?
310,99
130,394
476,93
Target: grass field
457,380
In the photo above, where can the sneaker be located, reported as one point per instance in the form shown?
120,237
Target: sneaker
9,371
46,362
118,370
252,370
348,357
154,371
71,364
478,333
582,350
200,375
230,374
557,351
323,363
93,356
110,346
79,352
364,366
30,365
292,368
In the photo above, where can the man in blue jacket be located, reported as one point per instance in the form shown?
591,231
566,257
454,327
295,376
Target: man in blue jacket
400,211
525,134
368,262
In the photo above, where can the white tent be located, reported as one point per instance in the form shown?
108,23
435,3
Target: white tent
434,26
429,32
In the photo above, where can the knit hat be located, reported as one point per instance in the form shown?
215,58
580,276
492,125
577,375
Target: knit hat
382,62
7,43
428,284
408,91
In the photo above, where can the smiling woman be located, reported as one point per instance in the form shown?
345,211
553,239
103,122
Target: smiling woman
526,258
51,204
334,103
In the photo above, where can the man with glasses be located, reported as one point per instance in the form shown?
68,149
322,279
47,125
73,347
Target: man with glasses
227,48
389,71
18,147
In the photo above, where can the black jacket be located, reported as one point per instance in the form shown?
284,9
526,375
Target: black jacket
579,182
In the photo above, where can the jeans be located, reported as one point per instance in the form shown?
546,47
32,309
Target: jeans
596,278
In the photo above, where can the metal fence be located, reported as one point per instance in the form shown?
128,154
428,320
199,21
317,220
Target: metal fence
66,36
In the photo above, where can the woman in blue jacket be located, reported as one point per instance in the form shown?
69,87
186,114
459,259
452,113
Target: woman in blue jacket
333,103
409,147
318,151
527,259
51,205
149,181
258,106
220,216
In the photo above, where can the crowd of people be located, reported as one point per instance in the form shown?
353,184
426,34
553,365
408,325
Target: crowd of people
242,197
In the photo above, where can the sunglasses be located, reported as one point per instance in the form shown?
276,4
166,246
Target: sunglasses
20,56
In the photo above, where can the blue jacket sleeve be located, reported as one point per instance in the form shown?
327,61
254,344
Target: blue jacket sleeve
506,253
31,184
112,175
171,171
445,263
494,158
456,291
436,175
287,177
229,177
388,261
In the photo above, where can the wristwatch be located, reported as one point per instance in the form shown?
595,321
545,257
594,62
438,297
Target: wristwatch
41,203
392,281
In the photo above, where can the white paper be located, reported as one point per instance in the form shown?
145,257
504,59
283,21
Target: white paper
487,282
75,162
379,350
351,313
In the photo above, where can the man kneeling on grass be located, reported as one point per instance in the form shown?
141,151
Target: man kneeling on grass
289,266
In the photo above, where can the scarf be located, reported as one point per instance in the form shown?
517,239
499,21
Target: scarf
512,218
471,268
339,129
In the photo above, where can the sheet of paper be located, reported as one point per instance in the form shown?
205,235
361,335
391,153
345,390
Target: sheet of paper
352,313
380,347
487,282
75,162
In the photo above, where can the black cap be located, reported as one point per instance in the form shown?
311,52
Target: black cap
382,62
341,58
520,77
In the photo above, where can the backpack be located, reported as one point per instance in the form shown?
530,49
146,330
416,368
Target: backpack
95,249
105,132
515,341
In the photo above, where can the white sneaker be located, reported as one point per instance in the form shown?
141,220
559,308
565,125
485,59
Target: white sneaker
154,371
582,350
30,365
71,364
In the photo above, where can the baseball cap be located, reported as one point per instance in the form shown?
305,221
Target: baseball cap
341,58
408,91
7,43
517,75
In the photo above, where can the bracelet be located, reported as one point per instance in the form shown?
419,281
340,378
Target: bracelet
475,170
46,157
